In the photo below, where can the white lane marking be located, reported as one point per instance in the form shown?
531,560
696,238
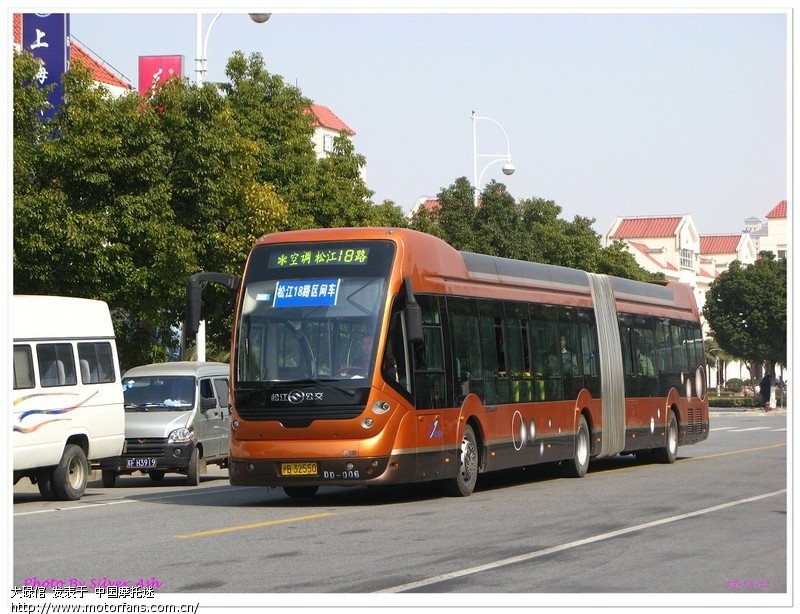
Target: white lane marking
574,544
144,499
722,428
76,507
752,428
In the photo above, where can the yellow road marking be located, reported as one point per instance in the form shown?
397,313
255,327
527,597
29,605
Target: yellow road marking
777,445
256,525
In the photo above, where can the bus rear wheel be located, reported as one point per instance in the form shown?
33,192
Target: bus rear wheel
669,453
579,464
466,477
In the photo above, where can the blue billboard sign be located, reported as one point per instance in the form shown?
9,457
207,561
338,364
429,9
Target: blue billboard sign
46,36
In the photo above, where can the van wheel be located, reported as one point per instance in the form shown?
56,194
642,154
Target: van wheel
44,480
193,470
579,464
669,452
109,477
467,473
156,475
300,492
71,474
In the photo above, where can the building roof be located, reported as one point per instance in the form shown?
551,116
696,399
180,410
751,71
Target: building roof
325,118
647,227
719,244
647,253
98,72
778,211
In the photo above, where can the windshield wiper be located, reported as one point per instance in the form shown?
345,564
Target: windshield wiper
299,382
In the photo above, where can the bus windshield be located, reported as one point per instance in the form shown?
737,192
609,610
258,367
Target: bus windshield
312,311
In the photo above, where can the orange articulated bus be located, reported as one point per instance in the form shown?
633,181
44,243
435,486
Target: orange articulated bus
372,356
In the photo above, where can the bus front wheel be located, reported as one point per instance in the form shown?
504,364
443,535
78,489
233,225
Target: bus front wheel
466,477
300,492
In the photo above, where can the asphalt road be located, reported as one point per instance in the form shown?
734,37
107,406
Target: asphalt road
710,529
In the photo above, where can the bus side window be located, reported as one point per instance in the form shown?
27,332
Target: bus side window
429,379
466,342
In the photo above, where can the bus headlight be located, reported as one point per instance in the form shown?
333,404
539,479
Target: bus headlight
380,407
367,423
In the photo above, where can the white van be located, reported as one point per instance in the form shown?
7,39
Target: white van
68,406
177,420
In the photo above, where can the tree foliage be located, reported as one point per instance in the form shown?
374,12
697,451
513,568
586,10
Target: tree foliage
746,309
124,198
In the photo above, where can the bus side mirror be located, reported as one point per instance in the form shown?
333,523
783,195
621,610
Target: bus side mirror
193,302
414,323
413,314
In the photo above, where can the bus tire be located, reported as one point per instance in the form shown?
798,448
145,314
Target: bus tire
300,492
109,477
577,466
44,480
669,453
71,474
466,476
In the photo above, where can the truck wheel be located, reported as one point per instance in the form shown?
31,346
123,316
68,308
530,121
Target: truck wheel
109,478
44,480
71,474
193,470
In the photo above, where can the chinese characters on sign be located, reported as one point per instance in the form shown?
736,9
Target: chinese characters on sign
46,36
157,69
319,256
306,293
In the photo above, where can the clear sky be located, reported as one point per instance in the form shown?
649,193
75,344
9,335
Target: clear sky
625,112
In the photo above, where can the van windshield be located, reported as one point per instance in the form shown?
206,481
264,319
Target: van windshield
154,393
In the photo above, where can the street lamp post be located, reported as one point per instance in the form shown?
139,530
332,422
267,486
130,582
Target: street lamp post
715,352
508,167
201,43
201,66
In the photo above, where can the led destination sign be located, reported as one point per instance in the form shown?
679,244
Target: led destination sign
282,259
306,293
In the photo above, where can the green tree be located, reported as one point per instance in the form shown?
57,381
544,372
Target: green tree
746,309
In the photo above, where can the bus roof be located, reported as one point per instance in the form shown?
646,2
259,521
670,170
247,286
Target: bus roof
432,261
37,317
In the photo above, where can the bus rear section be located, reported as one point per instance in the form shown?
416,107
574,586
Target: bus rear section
68,410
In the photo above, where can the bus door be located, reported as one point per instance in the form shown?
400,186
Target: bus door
430,392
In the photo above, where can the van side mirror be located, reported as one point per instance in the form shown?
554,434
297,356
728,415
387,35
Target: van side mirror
207,403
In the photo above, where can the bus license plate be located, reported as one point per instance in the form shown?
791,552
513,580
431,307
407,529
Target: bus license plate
292,469
140,463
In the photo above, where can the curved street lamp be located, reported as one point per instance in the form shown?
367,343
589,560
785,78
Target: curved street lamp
201,47
508,167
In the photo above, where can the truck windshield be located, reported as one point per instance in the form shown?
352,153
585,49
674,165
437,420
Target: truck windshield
312,311
158,393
